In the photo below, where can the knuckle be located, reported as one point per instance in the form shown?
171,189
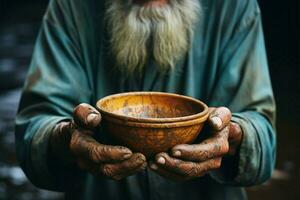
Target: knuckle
193,171
141,156
225,148
140,159
79,108
108,171
105,150
204,155
135,165
94,154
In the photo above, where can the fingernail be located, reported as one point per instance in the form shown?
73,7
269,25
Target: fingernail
126,156
161,160
153,166
177,153
91,118
216,121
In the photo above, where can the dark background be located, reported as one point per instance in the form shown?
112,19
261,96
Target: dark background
19,25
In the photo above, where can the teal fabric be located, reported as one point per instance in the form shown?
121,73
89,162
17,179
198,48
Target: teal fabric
225,66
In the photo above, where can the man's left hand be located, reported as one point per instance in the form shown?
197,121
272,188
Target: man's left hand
186,162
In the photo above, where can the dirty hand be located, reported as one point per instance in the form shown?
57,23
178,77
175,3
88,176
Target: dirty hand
185,161
73,142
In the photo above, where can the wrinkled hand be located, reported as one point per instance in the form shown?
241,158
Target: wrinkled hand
186,162
74,142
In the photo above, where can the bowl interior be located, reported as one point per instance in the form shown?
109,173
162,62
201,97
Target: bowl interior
143,105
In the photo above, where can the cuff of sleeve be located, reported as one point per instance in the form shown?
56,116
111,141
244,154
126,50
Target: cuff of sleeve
248,157
39,152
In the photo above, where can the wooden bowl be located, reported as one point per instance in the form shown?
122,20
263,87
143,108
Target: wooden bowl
152,122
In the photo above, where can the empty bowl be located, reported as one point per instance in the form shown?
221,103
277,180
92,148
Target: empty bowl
152,122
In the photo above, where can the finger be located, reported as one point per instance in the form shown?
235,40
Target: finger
213,147
186,168
174,165
60,140
219,118
83,145
62,133
117,171
235,137
167,174
64,127
114,171
86,116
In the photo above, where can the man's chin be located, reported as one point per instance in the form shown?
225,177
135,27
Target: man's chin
151,3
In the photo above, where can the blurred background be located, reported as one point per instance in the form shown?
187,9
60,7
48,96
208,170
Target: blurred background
19,25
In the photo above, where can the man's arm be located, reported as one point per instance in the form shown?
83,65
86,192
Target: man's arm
56,83
245,84
242,85
55,145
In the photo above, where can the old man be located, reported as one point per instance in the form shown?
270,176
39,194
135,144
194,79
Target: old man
212,50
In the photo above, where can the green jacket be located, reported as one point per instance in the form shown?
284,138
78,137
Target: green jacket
225,66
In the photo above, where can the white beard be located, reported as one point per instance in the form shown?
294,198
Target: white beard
140,32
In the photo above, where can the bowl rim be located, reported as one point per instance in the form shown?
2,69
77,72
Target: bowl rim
202,114
192,122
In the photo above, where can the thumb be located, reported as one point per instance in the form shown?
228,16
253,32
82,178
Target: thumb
86,116
219,118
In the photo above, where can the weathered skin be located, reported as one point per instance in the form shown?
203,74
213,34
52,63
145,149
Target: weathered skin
192,161
72,142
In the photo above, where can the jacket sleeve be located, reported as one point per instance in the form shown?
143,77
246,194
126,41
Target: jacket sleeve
244,86
56,83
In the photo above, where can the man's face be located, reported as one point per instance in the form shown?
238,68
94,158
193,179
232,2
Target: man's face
150,29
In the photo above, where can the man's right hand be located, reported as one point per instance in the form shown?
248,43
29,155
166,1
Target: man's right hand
73,142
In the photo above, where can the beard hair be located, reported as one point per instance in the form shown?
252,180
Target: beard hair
139,33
